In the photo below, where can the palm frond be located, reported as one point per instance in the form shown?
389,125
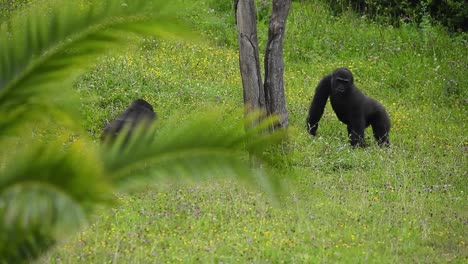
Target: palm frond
45,192
53,187
54,178
46,47
199,145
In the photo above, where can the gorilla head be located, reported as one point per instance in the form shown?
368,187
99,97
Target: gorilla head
342,79
351,107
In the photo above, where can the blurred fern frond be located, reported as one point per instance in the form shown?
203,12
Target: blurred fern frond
51,187
46,191
46,46
201,144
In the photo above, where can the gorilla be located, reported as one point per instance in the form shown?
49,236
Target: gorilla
139,112
351,107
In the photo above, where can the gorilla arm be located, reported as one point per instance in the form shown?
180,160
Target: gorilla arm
317,106
356,132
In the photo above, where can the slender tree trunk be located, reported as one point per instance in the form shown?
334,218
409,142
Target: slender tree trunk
246,19
268,97
274,65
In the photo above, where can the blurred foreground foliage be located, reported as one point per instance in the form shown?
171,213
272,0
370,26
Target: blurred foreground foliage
50,185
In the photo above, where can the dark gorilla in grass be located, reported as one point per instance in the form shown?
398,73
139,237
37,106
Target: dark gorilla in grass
139,112
351,107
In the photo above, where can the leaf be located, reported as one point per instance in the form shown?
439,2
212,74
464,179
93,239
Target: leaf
46,47
51,186
45,193
201,145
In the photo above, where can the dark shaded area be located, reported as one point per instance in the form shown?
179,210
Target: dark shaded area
452,14
23,246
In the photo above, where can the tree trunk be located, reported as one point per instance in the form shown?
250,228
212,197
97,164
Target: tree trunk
246,19
268,97
274,65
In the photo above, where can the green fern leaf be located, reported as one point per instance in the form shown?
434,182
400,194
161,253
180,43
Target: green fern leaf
47,47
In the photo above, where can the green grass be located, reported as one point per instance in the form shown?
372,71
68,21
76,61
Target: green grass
405,204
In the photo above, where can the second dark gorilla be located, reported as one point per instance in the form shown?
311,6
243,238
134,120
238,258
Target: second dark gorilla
139,112
351,107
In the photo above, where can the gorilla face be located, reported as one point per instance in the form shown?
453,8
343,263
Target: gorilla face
341,82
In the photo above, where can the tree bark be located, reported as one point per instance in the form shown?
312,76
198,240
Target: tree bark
274,65
246,20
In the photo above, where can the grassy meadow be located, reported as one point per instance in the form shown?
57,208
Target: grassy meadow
404,204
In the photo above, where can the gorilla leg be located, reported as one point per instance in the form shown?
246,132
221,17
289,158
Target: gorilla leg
356,133
381,129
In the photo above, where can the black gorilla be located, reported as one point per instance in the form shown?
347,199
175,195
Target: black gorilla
351,107
139,112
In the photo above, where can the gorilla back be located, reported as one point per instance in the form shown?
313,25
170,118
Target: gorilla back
351,107
139,112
